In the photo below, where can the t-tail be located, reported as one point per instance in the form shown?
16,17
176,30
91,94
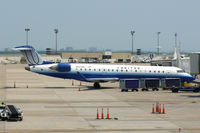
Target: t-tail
31,55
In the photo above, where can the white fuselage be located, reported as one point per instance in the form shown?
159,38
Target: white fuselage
103,71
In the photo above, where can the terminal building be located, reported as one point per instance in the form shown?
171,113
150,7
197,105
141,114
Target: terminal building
195,63
104,57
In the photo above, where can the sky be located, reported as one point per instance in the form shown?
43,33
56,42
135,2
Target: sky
105,24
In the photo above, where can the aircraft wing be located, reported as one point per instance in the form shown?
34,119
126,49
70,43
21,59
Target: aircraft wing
102,79
98,79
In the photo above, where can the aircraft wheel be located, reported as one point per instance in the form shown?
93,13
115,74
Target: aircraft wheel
96,85
175,90
196,90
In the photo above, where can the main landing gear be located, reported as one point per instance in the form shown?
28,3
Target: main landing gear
97,85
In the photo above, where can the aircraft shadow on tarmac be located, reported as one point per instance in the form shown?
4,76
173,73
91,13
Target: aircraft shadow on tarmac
60,87
83,88
191,96
88,88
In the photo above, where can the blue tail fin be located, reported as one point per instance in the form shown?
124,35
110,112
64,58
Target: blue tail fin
30,54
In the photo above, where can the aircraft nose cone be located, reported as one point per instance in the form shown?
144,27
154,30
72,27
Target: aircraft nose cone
191,78
27,68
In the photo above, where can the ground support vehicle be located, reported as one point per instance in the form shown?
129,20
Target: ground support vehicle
175,85
172,84
11,113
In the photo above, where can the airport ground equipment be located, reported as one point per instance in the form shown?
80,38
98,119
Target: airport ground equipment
171,83
135,84
2,108
175,85
129,84
11,113
151,83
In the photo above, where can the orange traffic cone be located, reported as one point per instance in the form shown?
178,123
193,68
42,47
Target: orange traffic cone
153,111
80,83
163,109
157,104
97,113
108,115
160,109
72,82
102,115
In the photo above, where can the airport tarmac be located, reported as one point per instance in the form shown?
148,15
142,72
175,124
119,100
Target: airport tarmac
54,105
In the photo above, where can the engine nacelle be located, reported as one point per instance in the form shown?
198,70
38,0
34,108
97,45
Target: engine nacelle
61,67
64,67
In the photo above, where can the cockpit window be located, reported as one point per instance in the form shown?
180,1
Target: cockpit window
180,71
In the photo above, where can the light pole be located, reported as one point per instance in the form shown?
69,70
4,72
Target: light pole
175,39
158,48
27,30
132,33
56,32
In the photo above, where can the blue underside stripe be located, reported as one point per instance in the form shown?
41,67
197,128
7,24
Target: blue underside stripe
75,75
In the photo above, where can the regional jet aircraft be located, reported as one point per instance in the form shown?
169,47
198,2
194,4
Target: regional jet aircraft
97,73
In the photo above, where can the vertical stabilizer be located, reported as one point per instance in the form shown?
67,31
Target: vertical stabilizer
30,54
